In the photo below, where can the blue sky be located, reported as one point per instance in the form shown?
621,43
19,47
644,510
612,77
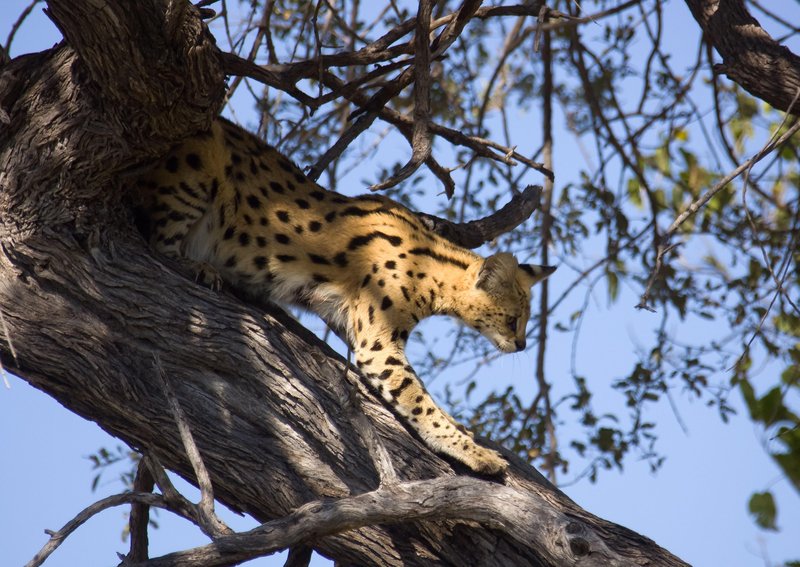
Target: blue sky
695,506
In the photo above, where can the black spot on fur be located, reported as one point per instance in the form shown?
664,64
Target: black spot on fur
231,261
386,303
385,374
320,278
371,314
228,233
366,280
390,265
393,361
244,239
340,259
317,259
194,161
403,385
285,165
171,164
282,238
314,226
302,203
405,293
286,258
283,216
260,262
330,216
277,187
318,195
355,212
261,242
253,201
438,257
376,346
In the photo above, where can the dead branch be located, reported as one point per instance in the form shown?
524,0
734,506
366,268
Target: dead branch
475,233
421,139
208,519
139,518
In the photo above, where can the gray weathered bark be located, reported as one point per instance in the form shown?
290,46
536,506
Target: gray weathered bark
89,311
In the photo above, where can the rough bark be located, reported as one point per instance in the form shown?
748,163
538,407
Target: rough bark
93,316
751,58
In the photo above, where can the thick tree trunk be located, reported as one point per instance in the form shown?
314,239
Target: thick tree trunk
751,58
94,318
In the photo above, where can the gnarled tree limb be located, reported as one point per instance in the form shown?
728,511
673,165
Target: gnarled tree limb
750,57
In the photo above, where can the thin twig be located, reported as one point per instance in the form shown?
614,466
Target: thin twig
58,537
421,142
765,256
375,447
550,457
206,505
696,205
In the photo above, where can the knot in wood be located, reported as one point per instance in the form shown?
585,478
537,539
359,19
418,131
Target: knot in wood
579,546
574,528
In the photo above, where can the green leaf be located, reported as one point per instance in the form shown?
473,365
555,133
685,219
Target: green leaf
613,286
762,507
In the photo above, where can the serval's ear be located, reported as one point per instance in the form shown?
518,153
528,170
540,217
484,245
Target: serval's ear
496,273
533,273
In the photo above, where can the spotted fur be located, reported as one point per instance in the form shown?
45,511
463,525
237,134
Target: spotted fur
366,265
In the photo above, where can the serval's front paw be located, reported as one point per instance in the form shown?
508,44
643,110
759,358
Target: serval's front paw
207,275
483,460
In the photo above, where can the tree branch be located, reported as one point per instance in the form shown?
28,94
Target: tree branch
527,517
475,233
750,57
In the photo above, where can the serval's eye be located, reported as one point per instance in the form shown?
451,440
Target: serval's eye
512,324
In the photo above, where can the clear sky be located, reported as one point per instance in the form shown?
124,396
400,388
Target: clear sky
695,506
